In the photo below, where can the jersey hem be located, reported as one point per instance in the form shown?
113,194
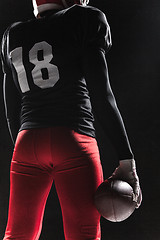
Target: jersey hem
90,133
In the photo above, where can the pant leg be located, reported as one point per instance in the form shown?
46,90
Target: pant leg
29,188
78,173
74,159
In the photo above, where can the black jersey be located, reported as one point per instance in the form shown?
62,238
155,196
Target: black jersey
60,75
45,57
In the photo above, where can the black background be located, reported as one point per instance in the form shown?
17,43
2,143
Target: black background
134,69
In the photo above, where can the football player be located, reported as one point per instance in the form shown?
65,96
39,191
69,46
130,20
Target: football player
55,83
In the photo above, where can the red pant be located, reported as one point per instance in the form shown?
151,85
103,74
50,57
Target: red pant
72,161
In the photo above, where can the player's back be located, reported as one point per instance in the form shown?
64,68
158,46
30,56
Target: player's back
45,57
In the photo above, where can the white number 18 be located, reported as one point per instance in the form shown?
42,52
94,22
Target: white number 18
52,70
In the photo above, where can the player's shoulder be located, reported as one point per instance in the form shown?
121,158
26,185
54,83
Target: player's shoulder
94,12
89,12
16,26
16,30
87,9
95,15
11,28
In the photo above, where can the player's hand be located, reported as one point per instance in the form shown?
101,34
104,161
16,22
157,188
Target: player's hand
126,171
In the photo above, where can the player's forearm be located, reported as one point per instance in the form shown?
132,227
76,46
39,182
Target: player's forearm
111,122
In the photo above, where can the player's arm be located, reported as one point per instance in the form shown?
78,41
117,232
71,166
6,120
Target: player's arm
104,104
96,74
12,99
12,104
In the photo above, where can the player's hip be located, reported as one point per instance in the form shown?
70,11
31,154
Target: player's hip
51,147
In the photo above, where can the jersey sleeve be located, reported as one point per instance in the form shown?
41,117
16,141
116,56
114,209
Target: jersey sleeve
103,102
11,96
4,51
98,33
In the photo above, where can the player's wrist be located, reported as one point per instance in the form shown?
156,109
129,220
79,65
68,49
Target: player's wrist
128,164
